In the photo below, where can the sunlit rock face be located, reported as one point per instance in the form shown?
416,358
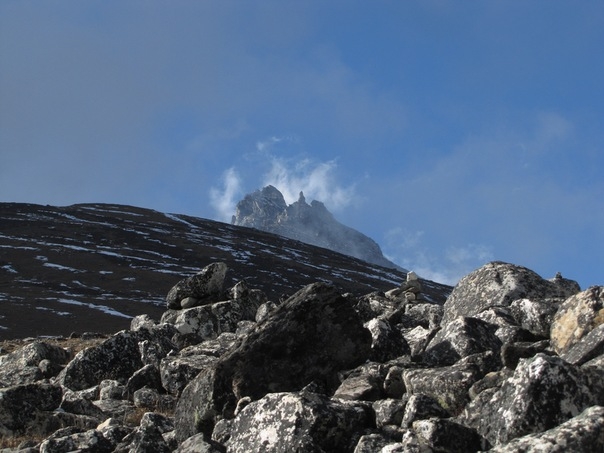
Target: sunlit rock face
312,223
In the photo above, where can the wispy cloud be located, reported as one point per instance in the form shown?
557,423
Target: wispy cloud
225,198
409,249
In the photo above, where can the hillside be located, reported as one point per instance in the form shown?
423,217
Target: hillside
92,267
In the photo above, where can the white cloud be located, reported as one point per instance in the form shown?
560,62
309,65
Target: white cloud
316,180
225,199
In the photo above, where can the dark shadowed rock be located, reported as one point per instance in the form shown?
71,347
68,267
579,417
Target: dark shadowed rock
448,436
310,337
576,317
511,353
387,342
499,284
206,285
302,422
20,405
543,392
581,434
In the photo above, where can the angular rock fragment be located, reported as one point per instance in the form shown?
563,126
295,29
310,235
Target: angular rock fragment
581,434
576,317
460,338
543,392
206,285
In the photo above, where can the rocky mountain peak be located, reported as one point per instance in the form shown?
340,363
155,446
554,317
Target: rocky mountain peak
312,223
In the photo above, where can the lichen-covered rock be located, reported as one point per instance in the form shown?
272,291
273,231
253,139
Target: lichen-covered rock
91,441
424,314
543,392
499,284
460,338
421,407
116,358
176,372
587,348
205,286
507,329
76,404
147,376
209,321
199,444
23,365
389,411
576,317
581,434
536,316
144,439
143,321
21,404
449,385
362,387
304,422
310,337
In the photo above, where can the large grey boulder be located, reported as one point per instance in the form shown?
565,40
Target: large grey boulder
303,422
202,287
500,284
543,392
581,434
387,342
118,358
310,337
576,317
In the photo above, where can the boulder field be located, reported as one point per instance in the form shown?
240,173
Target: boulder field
511,362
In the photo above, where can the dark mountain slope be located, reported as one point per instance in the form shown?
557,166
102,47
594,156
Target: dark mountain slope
92,267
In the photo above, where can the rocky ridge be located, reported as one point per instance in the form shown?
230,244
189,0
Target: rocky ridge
510,362
312,223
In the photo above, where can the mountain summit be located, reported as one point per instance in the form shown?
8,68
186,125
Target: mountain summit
312,223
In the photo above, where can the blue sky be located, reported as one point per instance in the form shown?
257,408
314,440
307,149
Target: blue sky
452,133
